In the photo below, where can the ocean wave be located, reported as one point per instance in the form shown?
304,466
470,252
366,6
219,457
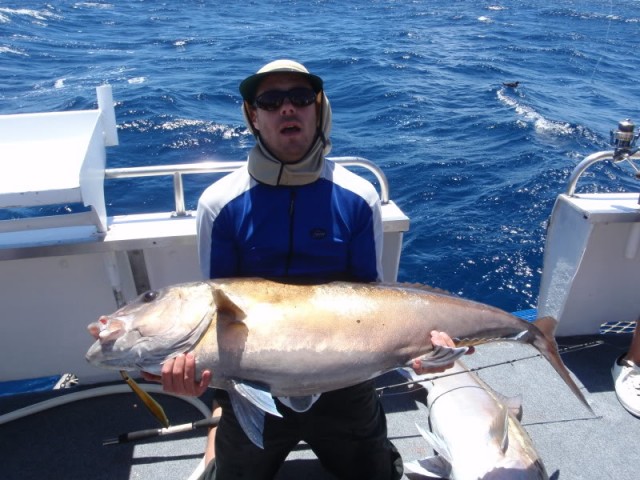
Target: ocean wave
96,5
41,15
184,125
528,115
5,49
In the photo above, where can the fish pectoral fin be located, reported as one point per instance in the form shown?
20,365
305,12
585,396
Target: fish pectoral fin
257,395
441,356
431,467
225,304
250,402
436,443
251,418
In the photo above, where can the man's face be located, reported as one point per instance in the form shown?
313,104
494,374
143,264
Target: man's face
288,131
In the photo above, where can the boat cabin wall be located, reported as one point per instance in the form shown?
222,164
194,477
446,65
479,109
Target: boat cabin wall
591,270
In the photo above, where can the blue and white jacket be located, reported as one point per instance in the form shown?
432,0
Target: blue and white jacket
328,229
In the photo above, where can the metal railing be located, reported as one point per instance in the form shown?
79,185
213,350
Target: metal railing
624,140
592,159
177,171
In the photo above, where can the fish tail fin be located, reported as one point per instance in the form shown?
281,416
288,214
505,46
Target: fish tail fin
545,342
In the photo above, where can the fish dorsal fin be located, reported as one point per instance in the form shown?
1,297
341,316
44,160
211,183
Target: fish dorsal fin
226,305
514,404
500,428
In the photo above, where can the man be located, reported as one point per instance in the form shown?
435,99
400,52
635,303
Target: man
291,213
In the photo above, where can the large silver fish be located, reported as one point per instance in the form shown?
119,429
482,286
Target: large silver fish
263,338
476,433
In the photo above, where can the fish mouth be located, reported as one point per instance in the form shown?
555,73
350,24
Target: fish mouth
108,329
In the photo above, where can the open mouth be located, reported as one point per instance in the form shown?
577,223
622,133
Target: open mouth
290,129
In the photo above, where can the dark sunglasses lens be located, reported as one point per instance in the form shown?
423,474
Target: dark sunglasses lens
302,97
272,99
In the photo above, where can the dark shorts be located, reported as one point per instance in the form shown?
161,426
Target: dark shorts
346,429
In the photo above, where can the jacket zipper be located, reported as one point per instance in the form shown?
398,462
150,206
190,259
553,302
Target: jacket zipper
292,205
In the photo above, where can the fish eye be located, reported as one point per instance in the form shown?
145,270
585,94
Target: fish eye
150,296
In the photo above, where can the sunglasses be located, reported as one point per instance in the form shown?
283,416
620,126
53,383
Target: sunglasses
273,99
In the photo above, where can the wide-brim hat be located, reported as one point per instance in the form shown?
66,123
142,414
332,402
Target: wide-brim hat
249,85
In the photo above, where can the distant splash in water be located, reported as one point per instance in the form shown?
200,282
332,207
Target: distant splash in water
528,115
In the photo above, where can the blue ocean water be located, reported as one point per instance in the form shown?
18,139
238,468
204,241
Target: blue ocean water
415,86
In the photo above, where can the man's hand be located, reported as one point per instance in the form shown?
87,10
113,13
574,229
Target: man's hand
179,376
444,340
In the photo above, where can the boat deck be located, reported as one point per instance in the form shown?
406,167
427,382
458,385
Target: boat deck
67,441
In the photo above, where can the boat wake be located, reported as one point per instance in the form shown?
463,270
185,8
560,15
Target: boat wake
529,116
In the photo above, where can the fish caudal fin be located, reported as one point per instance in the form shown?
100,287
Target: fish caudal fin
544,340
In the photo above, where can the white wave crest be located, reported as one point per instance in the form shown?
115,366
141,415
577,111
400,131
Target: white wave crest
5,49
102,6
529,116
26,12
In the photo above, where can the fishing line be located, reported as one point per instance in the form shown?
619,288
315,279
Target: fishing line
606,39
572,348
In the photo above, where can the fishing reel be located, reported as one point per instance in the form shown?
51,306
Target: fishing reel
624,141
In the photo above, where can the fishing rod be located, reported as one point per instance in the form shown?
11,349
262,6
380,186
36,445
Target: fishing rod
572,348
158,412
159,432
